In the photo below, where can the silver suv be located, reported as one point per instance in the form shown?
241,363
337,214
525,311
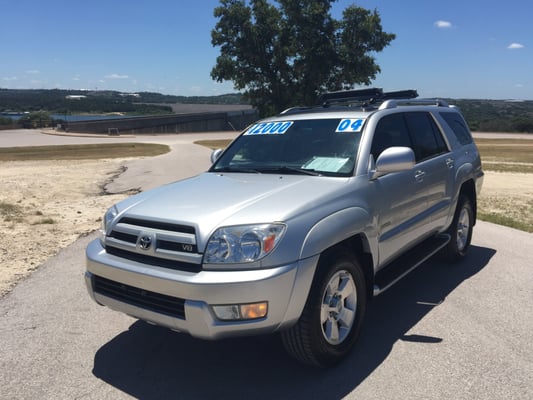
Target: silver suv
298,223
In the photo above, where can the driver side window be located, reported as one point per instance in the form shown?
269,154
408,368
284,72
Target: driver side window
391,131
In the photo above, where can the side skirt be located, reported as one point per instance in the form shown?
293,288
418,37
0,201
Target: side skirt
407,262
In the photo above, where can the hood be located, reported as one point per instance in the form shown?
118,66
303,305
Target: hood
211,200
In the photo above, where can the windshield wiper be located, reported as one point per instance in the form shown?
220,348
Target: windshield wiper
291,170
237,169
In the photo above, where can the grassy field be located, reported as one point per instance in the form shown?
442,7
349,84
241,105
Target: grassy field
507,161
214,144
82,152
506,155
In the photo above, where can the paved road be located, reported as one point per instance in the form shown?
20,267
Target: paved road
444,332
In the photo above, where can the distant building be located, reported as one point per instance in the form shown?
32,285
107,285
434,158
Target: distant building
75,97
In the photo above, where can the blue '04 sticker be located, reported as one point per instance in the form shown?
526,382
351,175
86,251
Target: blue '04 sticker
350,125
269,128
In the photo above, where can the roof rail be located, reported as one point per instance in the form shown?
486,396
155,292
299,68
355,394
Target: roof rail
363,96
408,102
292,110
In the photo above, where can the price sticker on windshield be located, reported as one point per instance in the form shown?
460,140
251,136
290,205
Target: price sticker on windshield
269,128
350,125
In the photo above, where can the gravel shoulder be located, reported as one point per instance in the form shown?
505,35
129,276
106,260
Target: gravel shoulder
51,204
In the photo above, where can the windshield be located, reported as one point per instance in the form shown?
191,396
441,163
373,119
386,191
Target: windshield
315,147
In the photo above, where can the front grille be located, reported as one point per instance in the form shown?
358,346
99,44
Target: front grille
155,261
169,245
125,237
156,302
162,226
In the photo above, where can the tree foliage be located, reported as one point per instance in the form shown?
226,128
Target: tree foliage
37,119
287,54
56,101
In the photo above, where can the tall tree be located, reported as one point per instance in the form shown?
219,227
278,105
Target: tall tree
286,55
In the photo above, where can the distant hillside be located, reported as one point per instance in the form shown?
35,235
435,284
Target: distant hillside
497,115
481,115
148,97
74,101
78,101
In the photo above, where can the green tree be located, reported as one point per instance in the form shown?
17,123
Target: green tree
6,121
522,124
37,119
286,55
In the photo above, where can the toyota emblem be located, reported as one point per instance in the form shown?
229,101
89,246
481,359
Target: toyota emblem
145,242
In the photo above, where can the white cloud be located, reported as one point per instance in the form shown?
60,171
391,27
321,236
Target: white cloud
32,72
515,46
116,76
10,78
443,24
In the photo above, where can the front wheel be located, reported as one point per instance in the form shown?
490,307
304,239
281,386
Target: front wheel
460,230
333,315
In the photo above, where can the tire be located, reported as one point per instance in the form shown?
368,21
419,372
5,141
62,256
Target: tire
460,230
333,314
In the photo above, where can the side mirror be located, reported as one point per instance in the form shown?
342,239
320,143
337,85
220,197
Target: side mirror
394,159
215,155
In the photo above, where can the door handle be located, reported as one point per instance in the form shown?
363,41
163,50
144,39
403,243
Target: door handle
419,175
450,163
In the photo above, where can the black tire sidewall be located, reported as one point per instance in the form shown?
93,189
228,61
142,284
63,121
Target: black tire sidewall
453,252
327,353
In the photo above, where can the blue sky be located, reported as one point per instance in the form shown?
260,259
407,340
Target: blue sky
453,48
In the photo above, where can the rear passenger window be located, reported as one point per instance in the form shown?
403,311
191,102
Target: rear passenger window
458,125
426,136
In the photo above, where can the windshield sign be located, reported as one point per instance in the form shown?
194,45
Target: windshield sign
269,128
312,147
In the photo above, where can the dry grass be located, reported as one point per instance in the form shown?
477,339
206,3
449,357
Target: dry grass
506,155
82,152
214,144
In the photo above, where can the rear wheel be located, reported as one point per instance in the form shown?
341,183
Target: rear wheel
332,317
460,230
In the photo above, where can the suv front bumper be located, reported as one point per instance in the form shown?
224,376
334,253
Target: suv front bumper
133,285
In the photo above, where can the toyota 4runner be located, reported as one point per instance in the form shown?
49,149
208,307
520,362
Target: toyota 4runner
299,222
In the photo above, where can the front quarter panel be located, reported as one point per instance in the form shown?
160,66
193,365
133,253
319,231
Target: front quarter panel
337,227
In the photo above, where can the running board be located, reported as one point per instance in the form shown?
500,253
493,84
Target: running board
396,270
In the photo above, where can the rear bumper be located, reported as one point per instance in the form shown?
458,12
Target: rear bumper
285,288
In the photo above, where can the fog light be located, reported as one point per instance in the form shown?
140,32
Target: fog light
253,311
239,312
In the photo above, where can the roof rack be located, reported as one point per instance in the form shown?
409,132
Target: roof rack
393,103
363,96
366,99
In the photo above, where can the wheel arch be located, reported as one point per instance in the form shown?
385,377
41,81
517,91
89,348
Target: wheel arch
468,189
359,247
346,230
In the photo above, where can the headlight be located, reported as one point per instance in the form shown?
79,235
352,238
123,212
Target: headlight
242,244
109,216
